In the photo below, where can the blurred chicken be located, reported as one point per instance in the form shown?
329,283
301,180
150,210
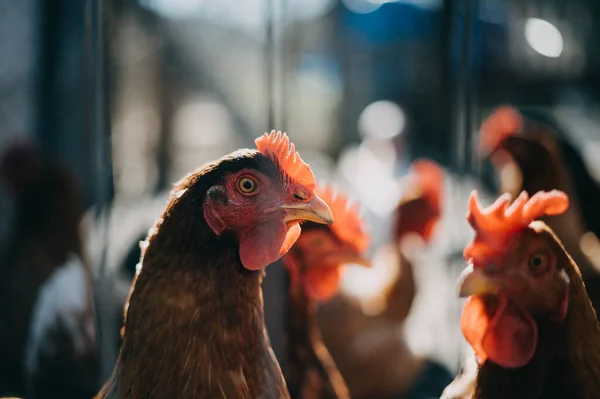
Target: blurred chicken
314,265
527,316
532,156
417,215
370,350
194,323
47,328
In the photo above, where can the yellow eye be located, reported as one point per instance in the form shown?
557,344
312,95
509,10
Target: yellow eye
246,185
538,262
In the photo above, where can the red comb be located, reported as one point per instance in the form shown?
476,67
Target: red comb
431,178
347,225
278,147
495,225
505,121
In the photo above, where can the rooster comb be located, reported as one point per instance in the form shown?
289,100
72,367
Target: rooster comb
348,226
278,147
505,121
495,225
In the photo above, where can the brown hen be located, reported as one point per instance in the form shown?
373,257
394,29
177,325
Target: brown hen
528,316
194,324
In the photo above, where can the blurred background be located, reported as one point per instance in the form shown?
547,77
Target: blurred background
130,95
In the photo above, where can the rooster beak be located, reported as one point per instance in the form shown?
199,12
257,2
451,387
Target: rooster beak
476,282
315,210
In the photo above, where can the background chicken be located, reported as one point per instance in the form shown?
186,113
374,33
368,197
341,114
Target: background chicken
371,351
532,155
528,317
47,323
197,298
417,215
314,265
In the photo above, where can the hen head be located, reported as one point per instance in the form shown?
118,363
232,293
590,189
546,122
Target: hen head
508,138
264,200
420,210
317,259
515,276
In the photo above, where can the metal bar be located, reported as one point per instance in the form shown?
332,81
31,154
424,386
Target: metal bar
283,105
100,126
467,87
463,132
269,60
167,108
448,89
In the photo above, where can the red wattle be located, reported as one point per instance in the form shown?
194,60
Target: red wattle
266,243
499,330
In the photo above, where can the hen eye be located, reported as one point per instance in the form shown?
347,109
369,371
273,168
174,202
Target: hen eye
246,185
300,196
538,262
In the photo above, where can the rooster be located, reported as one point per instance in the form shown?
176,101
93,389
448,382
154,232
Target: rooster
194,324
527,317
314,264
47,330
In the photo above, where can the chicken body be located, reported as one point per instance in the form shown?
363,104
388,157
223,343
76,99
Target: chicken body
194,323
314,266
528,316
371,351
310,371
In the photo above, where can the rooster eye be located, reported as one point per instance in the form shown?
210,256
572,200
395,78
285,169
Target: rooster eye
246,185
538,263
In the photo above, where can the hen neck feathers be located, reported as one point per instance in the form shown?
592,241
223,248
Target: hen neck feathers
311,370
195,326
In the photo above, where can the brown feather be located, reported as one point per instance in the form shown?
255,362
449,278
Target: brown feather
312,373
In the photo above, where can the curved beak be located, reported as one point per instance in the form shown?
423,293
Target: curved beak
476,282
315,210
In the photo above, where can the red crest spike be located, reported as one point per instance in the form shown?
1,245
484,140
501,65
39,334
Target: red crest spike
278,147
495,225
348,226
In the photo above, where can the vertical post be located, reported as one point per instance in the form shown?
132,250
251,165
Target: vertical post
283,60
99,125
269,60
167,107
448,85
275,70
467,69
464,92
